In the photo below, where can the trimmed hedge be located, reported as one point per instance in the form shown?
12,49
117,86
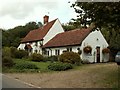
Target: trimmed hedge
70,57
58,66
22,66
37,57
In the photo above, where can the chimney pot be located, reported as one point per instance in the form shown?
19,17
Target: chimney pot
46,19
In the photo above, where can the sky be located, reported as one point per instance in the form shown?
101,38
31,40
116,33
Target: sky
19,12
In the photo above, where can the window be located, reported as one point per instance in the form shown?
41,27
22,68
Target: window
57,52
69,49
48,53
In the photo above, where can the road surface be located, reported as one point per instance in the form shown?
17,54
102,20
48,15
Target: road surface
8,82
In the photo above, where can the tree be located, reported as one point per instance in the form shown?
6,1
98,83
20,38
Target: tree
103,14
12,37
106,17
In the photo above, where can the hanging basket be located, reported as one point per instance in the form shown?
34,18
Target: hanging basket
105,50
87,49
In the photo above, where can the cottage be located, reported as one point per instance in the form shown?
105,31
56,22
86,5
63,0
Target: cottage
35,39
51,40
89,43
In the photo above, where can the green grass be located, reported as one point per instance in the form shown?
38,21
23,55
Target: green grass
41,65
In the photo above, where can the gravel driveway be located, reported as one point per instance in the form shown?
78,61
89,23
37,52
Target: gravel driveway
88,76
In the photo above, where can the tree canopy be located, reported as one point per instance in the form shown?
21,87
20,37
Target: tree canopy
101,13
12,37
105,15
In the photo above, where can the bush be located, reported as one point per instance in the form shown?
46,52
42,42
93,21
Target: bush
58,66
70,57
7,61
21,54
25,66
13,51
52,58
6,52
85,61
6,57
37,57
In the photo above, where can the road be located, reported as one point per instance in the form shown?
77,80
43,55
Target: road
8,82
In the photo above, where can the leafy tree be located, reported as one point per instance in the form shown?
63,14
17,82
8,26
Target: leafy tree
103,14
73,24
106,17
12,37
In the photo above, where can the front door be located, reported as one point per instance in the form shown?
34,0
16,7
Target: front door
98,54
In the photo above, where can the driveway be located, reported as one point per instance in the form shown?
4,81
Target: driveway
103,75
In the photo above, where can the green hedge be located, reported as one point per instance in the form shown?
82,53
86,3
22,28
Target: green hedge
22,66
58,66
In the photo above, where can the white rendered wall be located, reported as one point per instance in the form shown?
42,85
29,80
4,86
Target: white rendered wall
21,46
94,39
54,30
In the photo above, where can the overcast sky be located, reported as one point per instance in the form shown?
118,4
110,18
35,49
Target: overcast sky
19,12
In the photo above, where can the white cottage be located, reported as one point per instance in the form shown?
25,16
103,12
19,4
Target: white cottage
35,39
77,40
52,40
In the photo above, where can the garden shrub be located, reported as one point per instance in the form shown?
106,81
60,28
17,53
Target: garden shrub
7,61
6,52
13,51
59,66
37,57
25,66
52,58
85,61
21,54
70,57
6,57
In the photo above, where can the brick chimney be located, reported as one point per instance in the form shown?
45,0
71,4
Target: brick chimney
46,19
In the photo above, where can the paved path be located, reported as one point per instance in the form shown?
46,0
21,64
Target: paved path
8,82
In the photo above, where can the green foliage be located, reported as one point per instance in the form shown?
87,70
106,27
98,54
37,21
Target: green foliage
6,57
24,65
85,61
12,37
58,66
7,61
37,57
21,54
52,58
103,14
13,51
70,57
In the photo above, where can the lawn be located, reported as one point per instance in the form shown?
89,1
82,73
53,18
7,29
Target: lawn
42,66
103,75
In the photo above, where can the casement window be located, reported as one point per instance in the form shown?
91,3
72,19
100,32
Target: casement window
57,52
69,49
